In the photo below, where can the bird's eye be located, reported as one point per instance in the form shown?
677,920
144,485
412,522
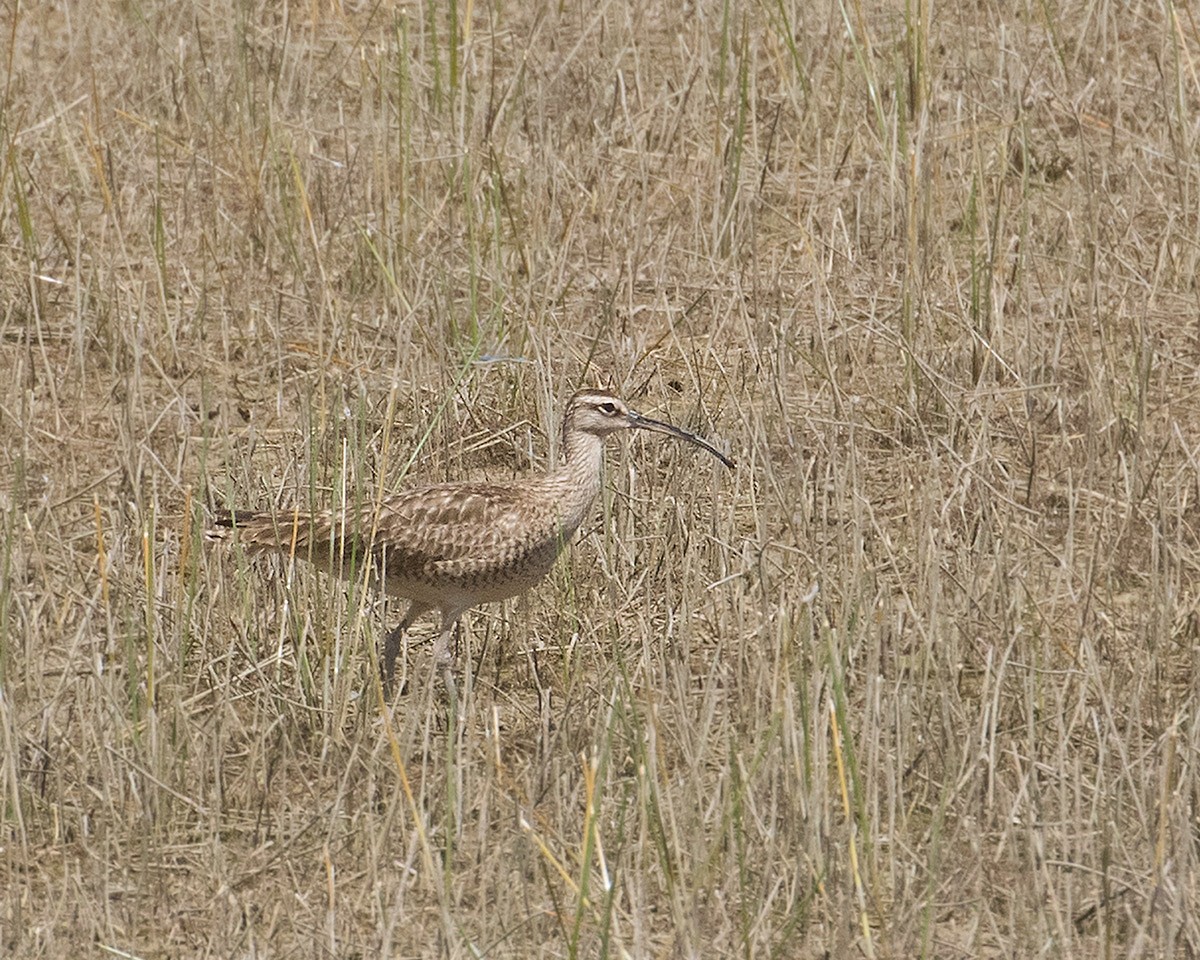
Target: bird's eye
608,408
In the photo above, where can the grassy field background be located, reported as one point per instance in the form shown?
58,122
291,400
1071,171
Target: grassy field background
918,679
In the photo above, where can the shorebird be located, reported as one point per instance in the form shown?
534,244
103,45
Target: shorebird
452,546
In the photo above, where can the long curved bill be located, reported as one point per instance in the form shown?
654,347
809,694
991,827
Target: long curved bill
658,426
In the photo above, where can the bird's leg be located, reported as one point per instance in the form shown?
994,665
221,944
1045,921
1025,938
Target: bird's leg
443,658
391,645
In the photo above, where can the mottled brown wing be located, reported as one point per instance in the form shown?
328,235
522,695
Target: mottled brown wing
447,526
448,529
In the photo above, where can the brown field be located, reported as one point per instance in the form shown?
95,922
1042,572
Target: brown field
919,678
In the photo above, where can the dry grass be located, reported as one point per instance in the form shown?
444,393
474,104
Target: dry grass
932,274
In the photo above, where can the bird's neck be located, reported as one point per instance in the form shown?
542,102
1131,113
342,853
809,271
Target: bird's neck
575,482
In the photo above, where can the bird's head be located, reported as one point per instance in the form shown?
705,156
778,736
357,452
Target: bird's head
599,413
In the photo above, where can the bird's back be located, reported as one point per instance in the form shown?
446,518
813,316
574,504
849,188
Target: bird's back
446,544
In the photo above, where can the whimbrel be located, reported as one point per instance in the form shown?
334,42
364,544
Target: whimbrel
452,546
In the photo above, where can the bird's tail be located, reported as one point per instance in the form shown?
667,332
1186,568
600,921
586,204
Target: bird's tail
225,521
280,531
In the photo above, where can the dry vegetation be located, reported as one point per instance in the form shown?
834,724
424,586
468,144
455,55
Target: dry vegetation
931,274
